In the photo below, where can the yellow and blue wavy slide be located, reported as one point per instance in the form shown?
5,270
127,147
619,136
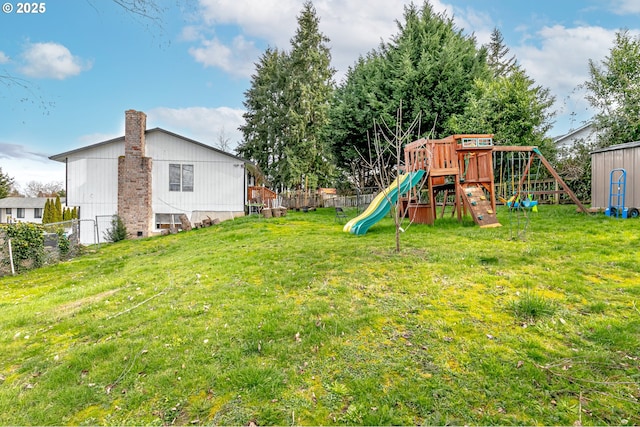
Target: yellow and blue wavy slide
382,203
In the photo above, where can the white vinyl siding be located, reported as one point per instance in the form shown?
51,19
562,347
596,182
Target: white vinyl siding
217,179
92,180
210,182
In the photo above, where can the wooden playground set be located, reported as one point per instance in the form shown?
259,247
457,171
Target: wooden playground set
463,168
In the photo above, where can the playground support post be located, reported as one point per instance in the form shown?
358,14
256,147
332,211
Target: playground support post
553,172
549,167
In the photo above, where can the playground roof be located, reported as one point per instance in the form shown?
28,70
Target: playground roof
422,141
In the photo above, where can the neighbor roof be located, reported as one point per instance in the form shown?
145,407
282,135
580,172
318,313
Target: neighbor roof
25,202
572,132
62,156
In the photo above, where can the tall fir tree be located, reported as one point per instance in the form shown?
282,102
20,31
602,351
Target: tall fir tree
57,213
308,92
265,117
46,213
497,51
287,109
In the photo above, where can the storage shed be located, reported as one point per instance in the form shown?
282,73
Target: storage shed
603,161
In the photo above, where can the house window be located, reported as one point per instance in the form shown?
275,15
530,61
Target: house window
7,211
180,177
165,221
20,213
37,212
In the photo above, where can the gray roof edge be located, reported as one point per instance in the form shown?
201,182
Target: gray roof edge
62,156
624,146
26,202
573,131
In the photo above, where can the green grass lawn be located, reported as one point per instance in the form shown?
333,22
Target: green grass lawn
291,321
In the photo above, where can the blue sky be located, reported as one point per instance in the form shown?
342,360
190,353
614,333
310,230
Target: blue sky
81,63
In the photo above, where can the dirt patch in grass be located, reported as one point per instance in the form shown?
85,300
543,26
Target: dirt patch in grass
68,309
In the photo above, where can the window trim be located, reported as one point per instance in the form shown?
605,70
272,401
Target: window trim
181,177
174,219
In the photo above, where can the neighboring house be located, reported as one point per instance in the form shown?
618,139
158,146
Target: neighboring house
565,143
23,209
149,178
603,161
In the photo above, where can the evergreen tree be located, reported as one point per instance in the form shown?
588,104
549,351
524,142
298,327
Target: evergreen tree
287,109
497,53
265,117
57,210
117,232
308,93
74,213
429,66
6,182
46,214
512,108
358,102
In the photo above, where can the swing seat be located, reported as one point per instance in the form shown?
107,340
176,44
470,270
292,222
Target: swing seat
527,204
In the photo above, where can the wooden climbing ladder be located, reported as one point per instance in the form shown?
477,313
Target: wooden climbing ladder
480,207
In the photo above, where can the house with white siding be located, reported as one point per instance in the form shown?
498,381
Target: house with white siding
149,178
23,209
586,134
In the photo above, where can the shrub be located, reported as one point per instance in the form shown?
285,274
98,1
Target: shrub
64,245
27,244
117,232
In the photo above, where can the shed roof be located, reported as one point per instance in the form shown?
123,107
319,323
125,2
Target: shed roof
25,202
624,146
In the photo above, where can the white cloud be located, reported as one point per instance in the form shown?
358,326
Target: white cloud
557,57
352,27
25,165
561,59
206,125
51,60
3,58
190,33
623,7
237,59
268,19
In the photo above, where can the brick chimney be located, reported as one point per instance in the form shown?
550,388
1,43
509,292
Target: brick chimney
134,177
